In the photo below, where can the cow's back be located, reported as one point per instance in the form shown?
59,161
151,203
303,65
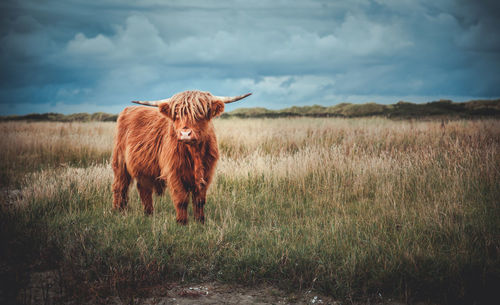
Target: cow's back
140,135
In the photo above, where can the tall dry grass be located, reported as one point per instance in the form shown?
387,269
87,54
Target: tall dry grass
351,207
27,147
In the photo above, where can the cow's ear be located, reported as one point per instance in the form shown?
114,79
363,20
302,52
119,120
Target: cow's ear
166,110
216,109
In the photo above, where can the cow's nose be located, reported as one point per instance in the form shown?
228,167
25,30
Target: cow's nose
185,135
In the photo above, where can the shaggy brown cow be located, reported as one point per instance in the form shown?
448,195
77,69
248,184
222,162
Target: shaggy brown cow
173,146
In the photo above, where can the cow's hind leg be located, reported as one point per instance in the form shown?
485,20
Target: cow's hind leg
120,187
145,188
159,186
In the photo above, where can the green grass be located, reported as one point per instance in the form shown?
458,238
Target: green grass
351,208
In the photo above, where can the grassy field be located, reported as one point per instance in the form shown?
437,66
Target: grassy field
354,208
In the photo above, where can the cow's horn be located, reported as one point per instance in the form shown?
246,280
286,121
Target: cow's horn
230,99
152,103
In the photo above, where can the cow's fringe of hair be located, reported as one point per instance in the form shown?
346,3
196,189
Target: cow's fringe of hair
193,105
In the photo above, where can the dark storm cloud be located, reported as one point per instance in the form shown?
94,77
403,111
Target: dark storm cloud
93,56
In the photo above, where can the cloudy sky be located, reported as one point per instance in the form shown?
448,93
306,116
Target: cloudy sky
98,55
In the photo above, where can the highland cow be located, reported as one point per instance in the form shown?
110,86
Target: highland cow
173,146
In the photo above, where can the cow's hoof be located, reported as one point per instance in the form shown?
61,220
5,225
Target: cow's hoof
182,222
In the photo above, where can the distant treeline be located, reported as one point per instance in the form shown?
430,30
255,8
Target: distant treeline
475,108
58,117
399,110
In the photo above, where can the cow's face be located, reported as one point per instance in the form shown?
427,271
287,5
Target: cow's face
190,129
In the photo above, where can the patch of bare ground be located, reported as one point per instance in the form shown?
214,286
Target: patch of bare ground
46,288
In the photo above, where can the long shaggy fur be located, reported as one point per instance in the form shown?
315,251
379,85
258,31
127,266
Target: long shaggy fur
193,105
147,150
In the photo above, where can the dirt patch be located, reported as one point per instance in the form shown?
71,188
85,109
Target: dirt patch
45,288
216,293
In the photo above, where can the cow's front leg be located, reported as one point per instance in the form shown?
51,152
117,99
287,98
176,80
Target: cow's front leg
146,193
180,197
201,183
198,170
199,177
199,198
181,210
